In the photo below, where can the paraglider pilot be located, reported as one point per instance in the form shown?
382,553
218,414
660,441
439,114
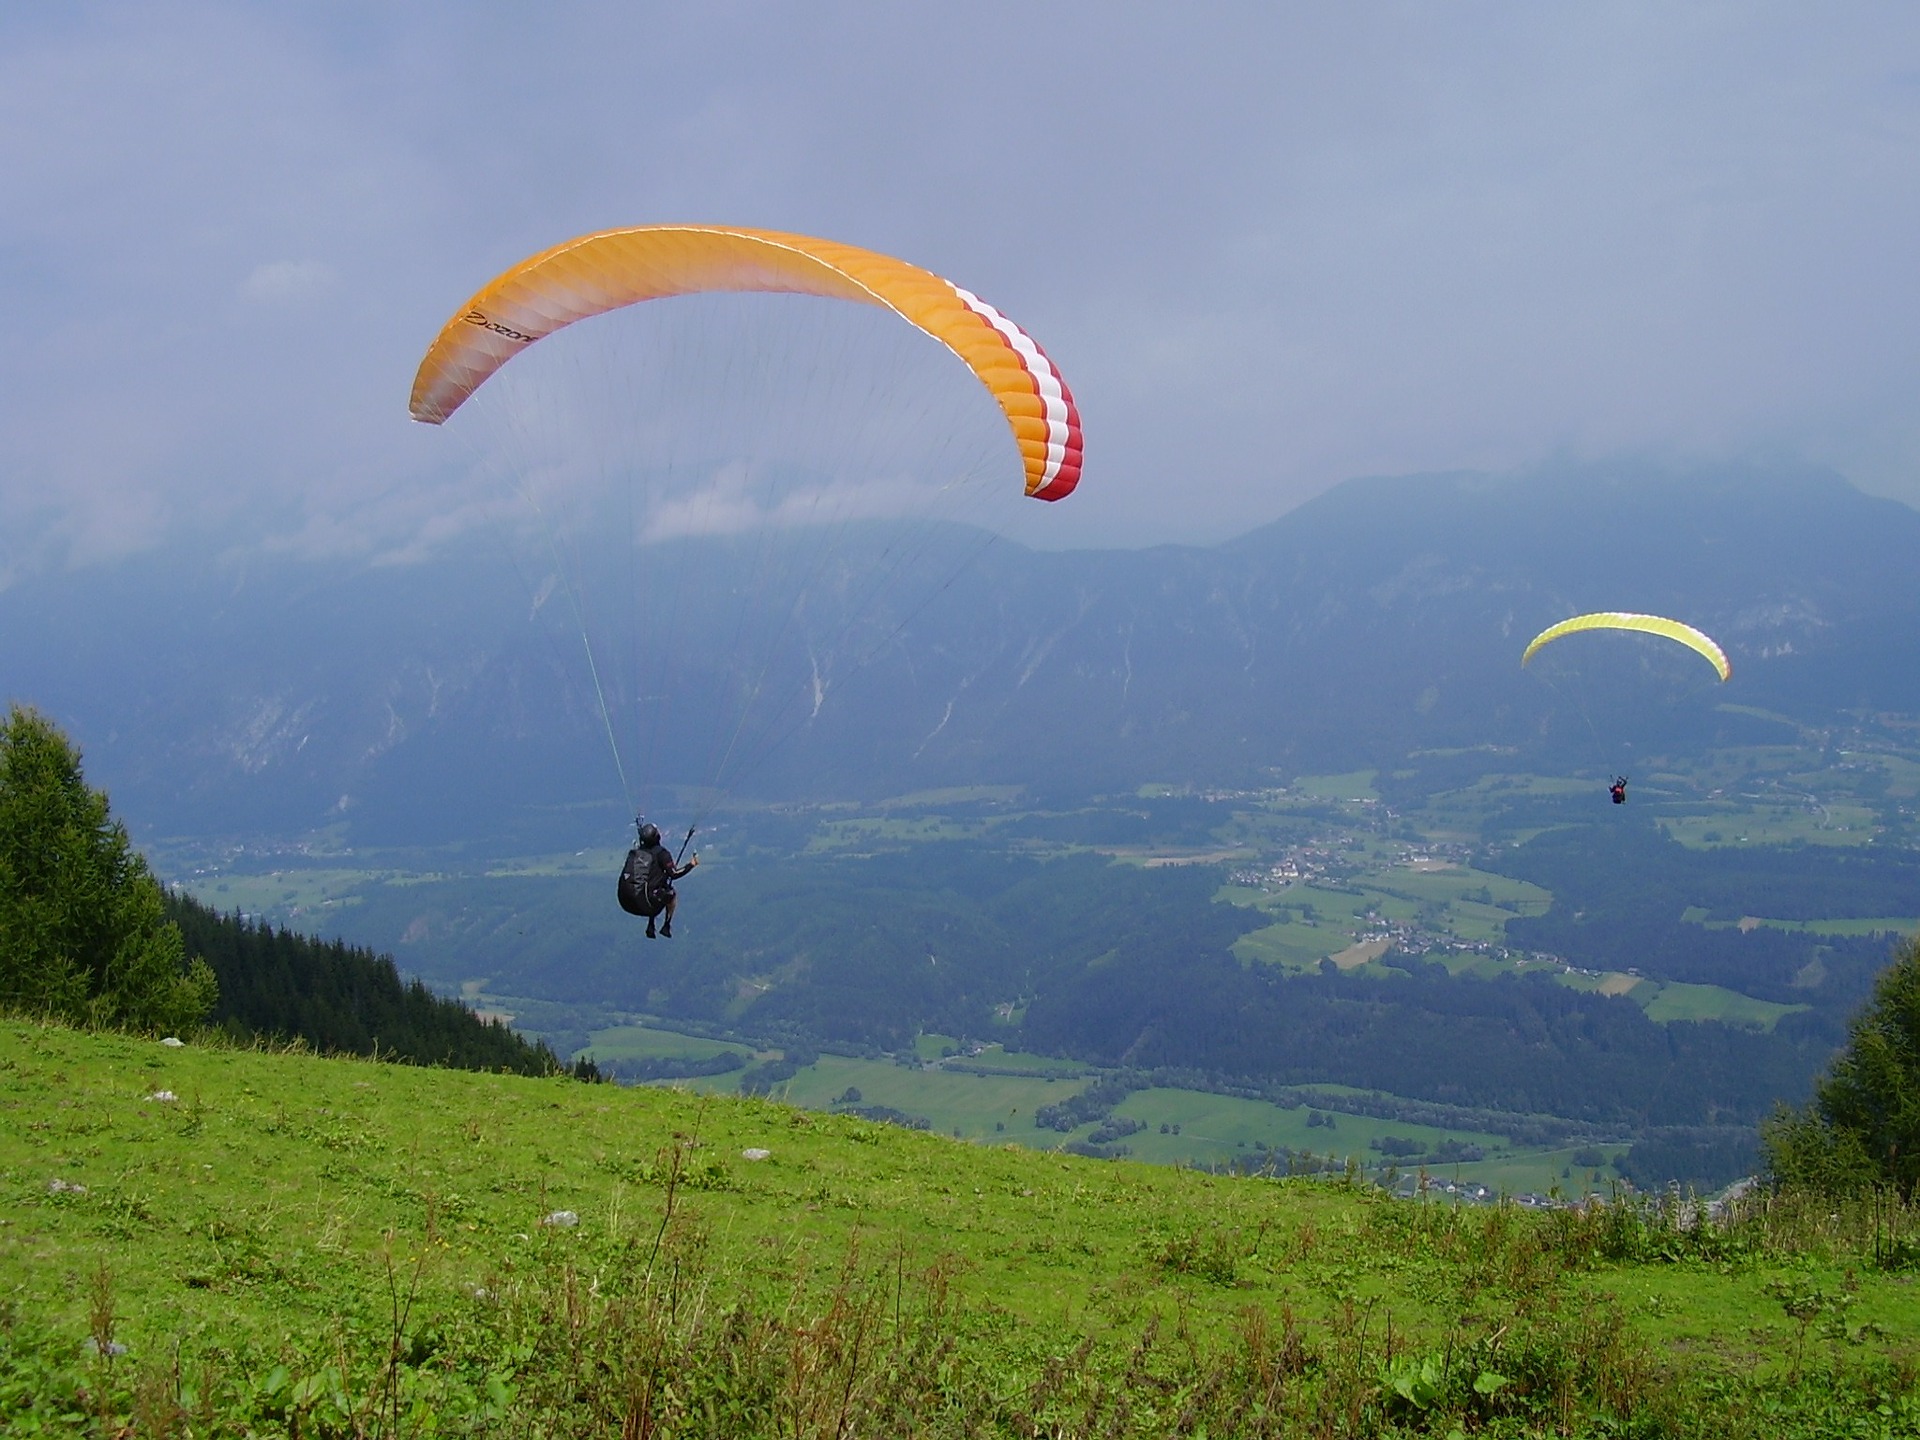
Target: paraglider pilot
646,880
1618,790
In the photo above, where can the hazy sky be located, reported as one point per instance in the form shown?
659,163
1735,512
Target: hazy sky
1271,246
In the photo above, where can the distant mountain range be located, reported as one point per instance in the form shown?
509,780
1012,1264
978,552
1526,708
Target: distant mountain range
414,703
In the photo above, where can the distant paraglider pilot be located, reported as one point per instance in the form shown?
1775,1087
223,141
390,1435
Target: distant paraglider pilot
646,880
1618,790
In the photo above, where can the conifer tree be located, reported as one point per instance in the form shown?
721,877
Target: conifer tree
83,931
1862,1127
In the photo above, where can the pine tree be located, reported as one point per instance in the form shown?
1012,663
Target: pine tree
1862,1127
83,931
344,999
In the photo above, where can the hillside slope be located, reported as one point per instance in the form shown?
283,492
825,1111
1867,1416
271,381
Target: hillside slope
266,1237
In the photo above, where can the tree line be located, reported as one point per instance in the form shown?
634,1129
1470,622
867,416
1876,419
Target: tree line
343,999
89,937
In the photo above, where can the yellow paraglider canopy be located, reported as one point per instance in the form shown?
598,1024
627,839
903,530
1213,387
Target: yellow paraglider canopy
1695,640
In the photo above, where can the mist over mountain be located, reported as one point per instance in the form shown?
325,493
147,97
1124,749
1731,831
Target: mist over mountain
417,702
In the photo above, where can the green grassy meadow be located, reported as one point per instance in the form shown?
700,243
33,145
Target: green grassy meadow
1677,1001
1355,785
642,1042
216,1241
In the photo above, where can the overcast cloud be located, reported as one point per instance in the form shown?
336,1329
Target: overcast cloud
1270,246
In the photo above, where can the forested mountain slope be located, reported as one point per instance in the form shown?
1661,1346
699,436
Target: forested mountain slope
341,999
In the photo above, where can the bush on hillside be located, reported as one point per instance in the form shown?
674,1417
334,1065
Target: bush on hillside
1862,1127
83,931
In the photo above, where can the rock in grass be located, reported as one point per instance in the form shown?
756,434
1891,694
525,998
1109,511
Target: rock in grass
561,1220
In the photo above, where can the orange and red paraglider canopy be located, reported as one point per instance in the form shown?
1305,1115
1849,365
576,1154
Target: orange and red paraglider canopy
596,273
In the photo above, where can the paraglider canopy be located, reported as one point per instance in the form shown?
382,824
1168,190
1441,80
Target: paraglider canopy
1695,640
593,274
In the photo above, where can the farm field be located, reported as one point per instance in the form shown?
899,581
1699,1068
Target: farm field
1671,1002
1216,1130
1201,1129
642,1042
960,1105
1874,925
1763,824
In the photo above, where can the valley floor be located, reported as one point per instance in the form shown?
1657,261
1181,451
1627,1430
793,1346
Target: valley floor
1424,887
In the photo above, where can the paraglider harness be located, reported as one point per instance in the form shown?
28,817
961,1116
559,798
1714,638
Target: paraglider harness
646,880
1618,790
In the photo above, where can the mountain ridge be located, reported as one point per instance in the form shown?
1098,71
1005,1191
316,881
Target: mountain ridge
414,702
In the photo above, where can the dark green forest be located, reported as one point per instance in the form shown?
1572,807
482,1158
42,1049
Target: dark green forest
1619,898
1526,1045
338,998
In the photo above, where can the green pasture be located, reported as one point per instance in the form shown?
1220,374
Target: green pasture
955,1103
1436,900
284,892
996,1058
1902,772
953,795
1222,1128
1460,814
866,831
1871,925
1440,900
1613,982
1450,885
601,861
1291,945
1706,825
939,1049
1764,760
1000,1109
1535,1172
1353,785
1314,901
271,1187
1214,1129
932,1047
1518,783
1476,923
1670,1002
1482,967
641,1042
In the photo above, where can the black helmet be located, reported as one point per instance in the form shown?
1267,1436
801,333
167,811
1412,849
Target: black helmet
649,834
